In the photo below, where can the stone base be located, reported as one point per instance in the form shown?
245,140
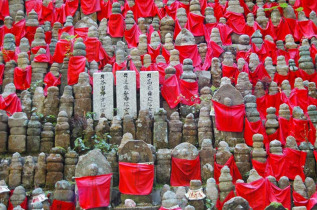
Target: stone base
17,143
137,198
138,208
33,143
3,141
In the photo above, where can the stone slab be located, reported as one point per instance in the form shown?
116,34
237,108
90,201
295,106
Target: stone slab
103,95
149,91
126,94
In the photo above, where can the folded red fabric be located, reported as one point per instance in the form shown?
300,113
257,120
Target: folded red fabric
184,170
189,92
62,205
262,192
136,178
11,104
76,65
252,128
94,191
116,25
22,77
51,80
229,118
234,171
170,91
90,6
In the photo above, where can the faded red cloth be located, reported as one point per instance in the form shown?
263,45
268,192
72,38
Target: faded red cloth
116,25
48,37
252,128
306,29
184,170
235,21
24,204
282,30
290,164
76,65
195,24
11,104
269,30
299,97
170,91
47,13
94,49
59,14
213,50
144,8
63,47
90,6
189,51
220,204
300,131
259,74
136,178
189,92
22,77
299,200
33,4
51,80
94,191
313,52
82,33
68,29
105,10
177,28
234,171
154,52
71,7
132,36
30,32
18,30
280,78
230,71
166,54
308,6
229,118
62,205
284,128
4,9
262,192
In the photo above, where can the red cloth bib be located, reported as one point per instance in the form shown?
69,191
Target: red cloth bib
94,191
195,24
262,192
76,65
11,104
136,178
189,92
62,205
90,6
170,91
189,51
132,36
234,171
116,25
51,80
22,77
229,118
252,128
184,170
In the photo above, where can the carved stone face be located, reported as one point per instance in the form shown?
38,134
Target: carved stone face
254,61
227,101
259,85
215,62
93,170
